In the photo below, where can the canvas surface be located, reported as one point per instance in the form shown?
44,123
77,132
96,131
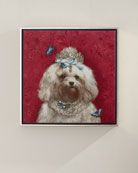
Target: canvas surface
99,50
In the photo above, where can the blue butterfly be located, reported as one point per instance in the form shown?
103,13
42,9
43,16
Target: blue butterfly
64,63
50,50
97,113
61,105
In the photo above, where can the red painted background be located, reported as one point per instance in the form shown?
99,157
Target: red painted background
99,50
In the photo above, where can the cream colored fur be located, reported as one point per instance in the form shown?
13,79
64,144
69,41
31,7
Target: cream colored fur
81,109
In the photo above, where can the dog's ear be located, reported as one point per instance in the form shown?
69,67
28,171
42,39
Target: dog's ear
44,88
91,90
46,84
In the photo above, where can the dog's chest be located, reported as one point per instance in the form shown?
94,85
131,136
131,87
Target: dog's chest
79,112
70,110
67,119
82,113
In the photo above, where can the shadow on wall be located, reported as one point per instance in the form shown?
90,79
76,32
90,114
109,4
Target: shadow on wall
59,145
77,139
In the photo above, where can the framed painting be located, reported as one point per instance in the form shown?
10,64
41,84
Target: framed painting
69,76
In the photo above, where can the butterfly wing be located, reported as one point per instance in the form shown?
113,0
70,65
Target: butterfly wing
50,50
97,113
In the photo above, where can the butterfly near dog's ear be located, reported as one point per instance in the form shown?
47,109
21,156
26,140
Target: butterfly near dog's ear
50,50
97,113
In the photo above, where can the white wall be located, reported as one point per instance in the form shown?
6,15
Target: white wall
69,149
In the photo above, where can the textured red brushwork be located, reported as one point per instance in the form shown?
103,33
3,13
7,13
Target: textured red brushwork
99,50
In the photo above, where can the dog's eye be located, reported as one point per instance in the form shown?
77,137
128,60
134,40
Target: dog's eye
76,77
62,76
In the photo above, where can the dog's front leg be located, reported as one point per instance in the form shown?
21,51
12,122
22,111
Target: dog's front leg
43,114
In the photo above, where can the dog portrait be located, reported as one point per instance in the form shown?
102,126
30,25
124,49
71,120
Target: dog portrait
69,76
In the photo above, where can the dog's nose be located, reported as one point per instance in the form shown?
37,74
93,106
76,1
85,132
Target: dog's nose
71,83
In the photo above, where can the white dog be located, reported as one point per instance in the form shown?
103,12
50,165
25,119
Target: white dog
67,89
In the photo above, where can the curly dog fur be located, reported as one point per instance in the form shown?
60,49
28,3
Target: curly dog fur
75,87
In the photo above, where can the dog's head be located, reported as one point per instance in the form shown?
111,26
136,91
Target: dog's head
68,84
66,81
